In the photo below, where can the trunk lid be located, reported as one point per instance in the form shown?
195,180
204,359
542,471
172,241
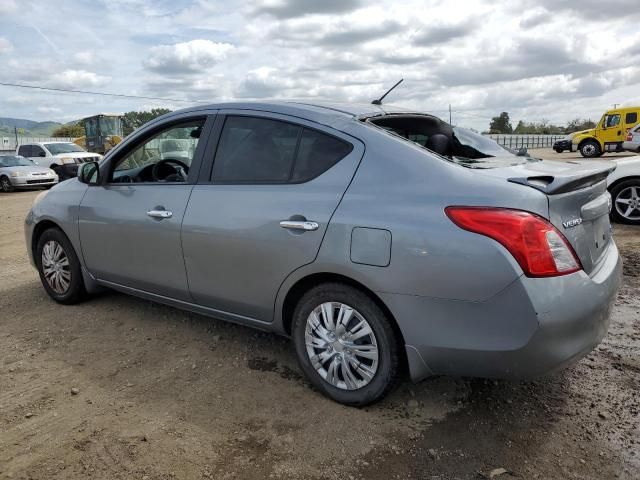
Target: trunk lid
579,203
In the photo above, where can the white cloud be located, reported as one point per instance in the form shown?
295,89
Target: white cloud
77,79
8,7
5,45
187,57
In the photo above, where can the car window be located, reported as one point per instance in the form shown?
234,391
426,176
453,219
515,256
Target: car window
15,161
612,120
631,118
316,154
255,150
25,151
37,151
164,157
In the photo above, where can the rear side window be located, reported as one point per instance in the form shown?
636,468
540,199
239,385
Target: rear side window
317,153
25,151
255,150
261,150
631,118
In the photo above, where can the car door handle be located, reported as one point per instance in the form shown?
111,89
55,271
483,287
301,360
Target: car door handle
303,225
160,213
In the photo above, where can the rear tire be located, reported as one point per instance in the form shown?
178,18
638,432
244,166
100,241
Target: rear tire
590,149
59,268
5,184
355,363
626,202
559,150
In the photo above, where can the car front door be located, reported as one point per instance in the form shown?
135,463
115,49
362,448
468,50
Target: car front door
611,131
263,207
130,223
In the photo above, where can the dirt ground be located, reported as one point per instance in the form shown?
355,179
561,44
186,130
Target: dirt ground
163,394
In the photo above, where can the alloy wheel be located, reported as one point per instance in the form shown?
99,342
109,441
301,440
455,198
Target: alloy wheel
341,346
5,184
628,203
56,267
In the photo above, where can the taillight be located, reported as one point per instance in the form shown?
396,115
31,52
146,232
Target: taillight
629,136
538,246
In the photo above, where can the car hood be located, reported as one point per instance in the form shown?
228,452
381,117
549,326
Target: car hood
26,168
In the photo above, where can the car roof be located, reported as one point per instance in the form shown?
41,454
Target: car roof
322,112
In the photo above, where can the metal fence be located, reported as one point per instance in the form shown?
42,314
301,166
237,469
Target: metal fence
8,144
525,141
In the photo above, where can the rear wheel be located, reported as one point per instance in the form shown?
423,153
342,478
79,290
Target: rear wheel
590,149
558,150
59,267
626,202
5,184
345,344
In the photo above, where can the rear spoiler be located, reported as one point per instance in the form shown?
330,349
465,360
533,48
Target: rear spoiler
552,185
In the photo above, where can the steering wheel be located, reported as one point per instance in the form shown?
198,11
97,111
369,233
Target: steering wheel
181,171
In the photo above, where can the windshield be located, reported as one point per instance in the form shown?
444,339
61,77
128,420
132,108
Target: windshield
57,148
15,161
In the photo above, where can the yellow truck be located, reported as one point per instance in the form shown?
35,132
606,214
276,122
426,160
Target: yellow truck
609,134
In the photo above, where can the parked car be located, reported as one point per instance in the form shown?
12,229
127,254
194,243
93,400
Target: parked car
632,142
566,143
62,157
371,236
609,134
20,172
624,185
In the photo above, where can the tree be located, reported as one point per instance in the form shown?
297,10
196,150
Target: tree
133,120
72,130
578,124
501,124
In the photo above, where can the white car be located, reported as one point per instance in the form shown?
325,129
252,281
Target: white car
19,172
62,157
632,143
624,185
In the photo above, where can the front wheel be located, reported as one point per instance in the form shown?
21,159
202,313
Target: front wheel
558,150
590,149
345,344
626,202
5,184
59,267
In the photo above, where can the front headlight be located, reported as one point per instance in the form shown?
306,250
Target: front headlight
67,160
15,174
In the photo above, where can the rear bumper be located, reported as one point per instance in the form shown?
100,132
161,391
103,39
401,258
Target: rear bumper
531,328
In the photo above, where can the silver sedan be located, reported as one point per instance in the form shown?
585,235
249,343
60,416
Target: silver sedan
376,238
20,172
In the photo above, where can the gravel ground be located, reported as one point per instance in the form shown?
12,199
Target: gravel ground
121,388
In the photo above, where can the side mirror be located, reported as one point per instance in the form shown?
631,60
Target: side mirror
89,173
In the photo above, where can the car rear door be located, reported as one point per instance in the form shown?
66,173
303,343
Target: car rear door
262,207
130,224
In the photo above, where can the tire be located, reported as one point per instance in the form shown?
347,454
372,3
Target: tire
623,198
590,149
558,150
5,184
367,380
75,291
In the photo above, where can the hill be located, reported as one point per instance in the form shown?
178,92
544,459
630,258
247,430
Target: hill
31,128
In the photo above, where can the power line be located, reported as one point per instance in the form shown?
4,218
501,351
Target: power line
104,94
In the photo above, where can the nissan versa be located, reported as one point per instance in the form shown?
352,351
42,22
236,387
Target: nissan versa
375,238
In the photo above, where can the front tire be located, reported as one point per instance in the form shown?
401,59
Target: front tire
626,202
559,150
590,149
345,344
59,267
5,184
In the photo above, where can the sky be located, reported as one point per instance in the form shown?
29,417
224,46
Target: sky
538,60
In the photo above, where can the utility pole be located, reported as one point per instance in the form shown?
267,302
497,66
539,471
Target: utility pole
15,131
615,105
449,114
